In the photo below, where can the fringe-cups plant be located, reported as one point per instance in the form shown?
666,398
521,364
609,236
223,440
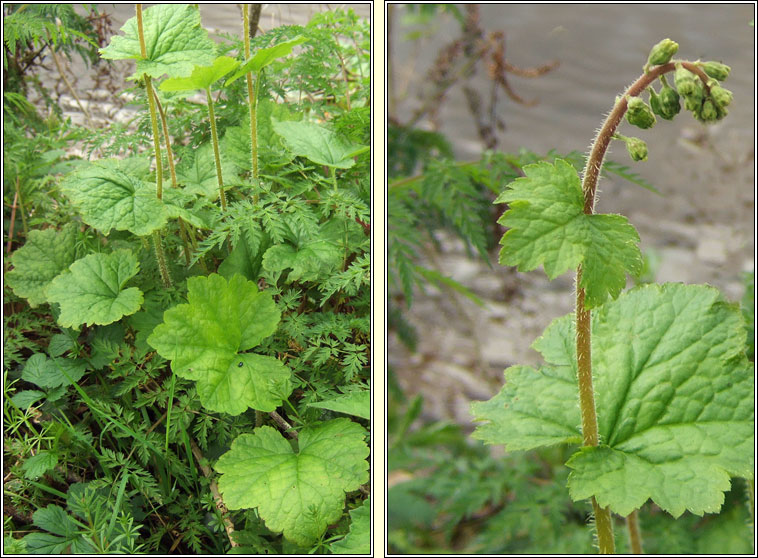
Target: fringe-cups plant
664,387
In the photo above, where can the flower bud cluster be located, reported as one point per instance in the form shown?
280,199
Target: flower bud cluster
708,101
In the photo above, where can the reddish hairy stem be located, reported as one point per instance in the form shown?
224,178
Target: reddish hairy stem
590,436
604,136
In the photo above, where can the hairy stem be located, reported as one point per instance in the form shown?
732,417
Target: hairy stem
216,154
174,182
583,315
750,486
604,527
151,104
13,220
165,275
251,97
21,207
633,526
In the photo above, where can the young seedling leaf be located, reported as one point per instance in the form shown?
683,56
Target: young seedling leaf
674,398
175,41
548,227
356,403
205,340
44,256
92,291
109,197
319,144
358,540
264,57
297,492
202,77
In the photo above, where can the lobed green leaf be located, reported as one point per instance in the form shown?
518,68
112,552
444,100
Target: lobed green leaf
174,39
110,195
264,57
358,540
297,492
206,339
548,227
674,399
92,291
319,144
202,77
43,257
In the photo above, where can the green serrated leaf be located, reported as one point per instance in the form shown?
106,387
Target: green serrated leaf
60,343
174,38
312,258
673,392
63,534
197,174
92,292
548,227
46,372
25,399
358,540
356,403
109,197
298,492
202,77
37,465
45,255
245,259
205,340
264,57
319,144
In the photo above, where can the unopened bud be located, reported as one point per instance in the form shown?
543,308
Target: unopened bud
721,97
666,104
684,80
655,102
662,52
637,149
694,100
716,70
639,114
669,102
708,112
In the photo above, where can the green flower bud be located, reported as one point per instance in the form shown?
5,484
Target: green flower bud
708,112
655,102
694,100
669,99
639,114
721,97
666,105
716,70
684,80
662,52
637,149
